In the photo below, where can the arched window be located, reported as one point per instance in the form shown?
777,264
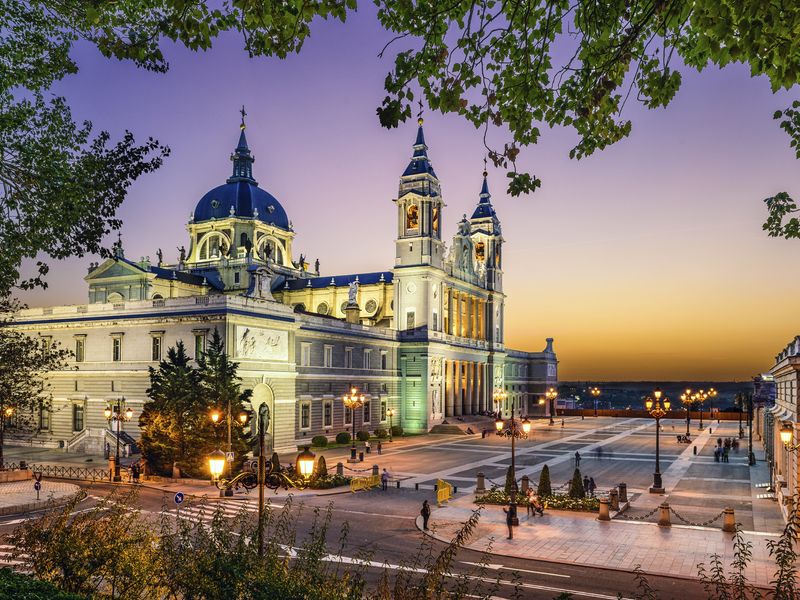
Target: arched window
480,251
412,217
213,246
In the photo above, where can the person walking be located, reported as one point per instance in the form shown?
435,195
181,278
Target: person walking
367,446
577,459
529,498
509,521
385,480
426,514
586,484
380,448
592,486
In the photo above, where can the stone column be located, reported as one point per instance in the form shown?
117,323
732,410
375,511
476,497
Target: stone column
468,320
475,389
457,388
448,379
456,314
449,311
470,408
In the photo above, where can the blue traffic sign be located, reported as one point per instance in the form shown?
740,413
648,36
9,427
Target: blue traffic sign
178,497
37,486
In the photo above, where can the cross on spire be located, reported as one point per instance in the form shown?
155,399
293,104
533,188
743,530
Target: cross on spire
244,114
420,120
485,172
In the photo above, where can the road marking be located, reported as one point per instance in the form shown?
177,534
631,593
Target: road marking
497,567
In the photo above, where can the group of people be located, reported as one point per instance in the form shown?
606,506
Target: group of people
723,449
589,486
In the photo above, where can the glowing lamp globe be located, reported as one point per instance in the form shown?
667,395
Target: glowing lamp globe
107,412
216,463
305,463
648,404
243,418
499,424
214,416
666,403
786,434
526,426
129,414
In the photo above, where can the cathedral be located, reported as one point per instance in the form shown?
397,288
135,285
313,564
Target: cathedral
424,338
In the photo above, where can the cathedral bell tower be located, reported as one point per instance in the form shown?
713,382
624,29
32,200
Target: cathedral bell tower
419,211
487,239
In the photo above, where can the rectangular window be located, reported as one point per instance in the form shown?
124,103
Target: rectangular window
44,419
116,354
383,411
348,416
77,417
367,358
435,321
305,416
48,342
305,354
156,349
236,277
328,356
384,359
366,411
348,358
199,345
80,349
327,413
410,321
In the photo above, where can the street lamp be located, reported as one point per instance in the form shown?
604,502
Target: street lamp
216,464
595,392
113,413
353,400
687,400
216,416
305,463
739,404
787,435
515,429
551,395
499,396
654,407
390,414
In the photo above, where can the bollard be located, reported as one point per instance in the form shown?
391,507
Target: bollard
729,521
663,515
340,469
360,457
375,470
694,449
398,484
613,497
604,515
526,483
416,487
623,493
455,489
480,489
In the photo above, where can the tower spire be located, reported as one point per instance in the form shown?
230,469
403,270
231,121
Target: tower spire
420,163
241,157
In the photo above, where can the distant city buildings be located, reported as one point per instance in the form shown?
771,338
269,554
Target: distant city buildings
425,338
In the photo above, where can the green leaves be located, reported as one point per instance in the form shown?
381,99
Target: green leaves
779,206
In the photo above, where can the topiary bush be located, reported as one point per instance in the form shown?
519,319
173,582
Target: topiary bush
576,485
544,489
397,430
362,435
381,433
320,441
343,438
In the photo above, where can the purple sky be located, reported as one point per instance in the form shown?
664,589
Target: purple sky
645,261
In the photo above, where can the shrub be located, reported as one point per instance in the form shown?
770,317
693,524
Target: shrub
329,481
321,469
544,489
320,441
343,438
362,435
14,585
381,433
511,481
397,430
576,485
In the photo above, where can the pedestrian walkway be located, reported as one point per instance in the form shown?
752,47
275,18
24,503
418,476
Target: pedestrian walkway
20,496
7,560
205,512
580,539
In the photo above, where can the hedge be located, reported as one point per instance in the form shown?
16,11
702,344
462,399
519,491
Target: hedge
362,435
343,438
557,501
381,433
397,430
319,441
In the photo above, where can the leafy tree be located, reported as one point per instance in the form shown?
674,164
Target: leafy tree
221,387
576,485
23,587
60,184
175,428
544,488
25,362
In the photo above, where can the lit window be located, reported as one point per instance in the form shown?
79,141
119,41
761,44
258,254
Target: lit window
116,351
383,410
366,411
156,349
44,419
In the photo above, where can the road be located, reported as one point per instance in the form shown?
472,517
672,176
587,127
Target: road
383,524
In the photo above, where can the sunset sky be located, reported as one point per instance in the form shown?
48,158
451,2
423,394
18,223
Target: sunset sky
645,261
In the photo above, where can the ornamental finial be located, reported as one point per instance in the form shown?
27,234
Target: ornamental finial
485,172
420,120
244,114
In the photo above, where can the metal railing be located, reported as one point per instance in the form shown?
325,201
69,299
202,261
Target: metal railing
364,483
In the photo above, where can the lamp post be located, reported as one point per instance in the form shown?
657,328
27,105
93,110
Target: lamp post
215,418
595,392
787,435
751,458
739,403
654,407
700,397
216,464
514,430
500,396
686,399
353,400
390,414
551,394
113,413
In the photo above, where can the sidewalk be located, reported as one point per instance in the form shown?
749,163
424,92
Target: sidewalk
19,496
580,539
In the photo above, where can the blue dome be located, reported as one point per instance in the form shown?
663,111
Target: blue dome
246,198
